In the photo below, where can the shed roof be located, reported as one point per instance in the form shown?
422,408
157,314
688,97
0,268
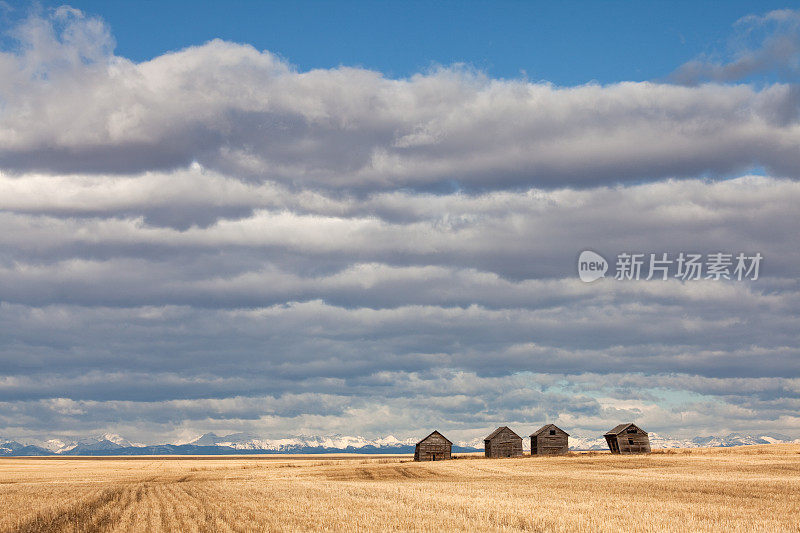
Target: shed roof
616,430
498,430
546,427
435,432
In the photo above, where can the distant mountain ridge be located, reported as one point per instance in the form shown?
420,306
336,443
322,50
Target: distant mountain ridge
659,441
244,441
247,444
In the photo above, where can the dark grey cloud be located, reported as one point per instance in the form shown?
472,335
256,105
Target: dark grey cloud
516,236
212,240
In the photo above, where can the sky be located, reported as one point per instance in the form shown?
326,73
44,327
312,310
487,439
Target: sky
365,218
564,43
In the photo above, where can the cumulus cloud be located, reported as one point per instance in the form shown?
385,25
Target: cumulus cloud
214,240
71,105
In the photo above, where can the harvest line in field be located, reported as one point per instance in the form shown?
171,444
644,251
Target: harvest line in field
753,488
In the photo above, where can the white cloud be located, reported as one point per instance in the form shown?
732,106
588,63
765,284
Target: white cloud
762,44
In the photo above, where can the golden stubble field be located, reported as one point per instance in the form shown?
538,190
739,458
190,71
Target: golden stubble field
755,488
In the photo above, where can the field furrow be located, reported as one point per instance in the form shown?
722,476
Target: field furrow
747,489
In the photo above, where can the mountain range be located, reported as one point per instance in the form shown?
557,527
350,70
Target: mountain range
243,443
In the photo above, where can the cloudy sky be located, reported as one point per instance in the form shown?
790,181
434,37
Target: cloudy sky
209,236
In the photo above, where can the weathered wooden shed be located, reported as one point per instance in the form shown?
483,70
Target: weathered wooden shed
627,439
503,443
549,440
434,447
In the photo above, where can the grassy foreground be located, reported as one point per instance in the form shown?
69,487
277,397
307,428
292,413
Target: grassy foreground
754,488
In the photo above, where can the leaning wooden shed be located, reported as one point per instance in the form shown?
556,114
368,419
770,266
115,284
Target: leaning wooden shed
503,443
549,440
628,438
434,447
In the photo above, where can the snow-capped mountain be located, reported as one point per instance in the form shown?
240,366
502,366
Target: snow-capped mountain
108,441
659,441
13,448
244,443
8,447
477,443
57,445
738,439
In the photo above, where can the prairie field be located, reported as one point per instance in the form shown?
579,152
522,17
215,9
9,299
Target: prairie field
754,488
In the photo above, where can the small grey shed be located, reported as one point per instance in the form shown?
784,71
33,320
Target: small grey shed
503,443
434,447
628,439
549,440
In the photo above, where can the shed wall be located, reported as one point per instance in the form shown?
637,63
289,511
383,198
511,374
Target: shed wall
546,444
504,444
629,443
433,448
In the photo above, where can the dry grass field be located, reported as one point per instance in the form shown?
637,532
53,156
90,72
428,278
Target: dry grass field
754,488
